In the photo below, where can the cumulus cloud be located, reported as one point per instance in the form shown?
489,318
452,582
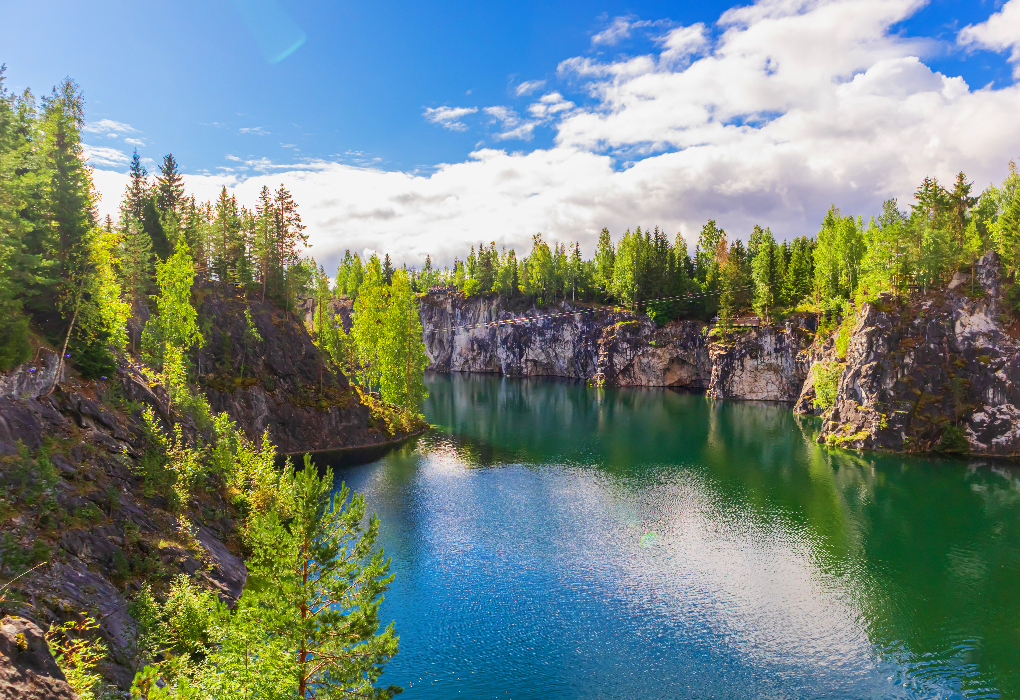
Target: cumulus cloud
617,30
104,156
107,125
528,87
135,142
448,117
511,125
780,109
1000,32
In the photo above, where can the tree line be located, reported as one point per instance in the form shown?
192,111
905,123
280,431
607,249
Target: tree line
944,229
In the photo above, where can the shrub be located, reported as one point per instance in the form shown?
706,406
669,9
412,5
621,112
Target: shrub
826,379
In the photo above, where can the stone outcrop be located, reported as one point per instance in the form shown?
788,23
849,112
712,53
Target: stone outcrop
27,668
460,336
764,364
613,348
279,380
933,373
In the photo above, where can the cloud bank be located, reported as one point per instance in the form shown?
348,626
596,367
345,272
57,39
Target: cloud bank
768,116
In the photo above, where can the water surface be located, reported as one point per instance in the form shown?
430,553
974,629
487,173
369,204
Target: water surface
552,540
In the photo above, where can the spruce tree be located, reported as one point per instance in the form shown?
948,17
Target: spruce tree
136,194
169,186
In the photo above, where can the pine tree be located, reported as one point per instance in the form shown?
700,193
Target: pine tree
169,186
387,270
308,622
136,194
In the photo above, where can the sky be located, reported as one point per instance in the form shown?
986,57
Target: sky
424,128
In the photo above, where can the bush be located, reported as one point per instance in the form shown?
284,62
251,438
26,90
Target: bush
826,378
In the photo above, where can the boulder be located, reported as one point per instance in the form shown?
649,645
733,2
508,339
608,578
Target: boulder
27,668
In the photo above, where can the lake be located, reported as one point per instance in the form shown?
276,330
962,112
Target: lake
552,540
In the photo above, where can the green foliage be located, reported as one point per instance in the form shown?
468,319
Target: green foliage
78,654
826,382
175,323
837,256
954,441
309,618
767,271
402,351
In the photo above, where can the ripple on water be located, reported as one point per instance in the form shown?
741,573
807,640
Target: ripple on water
679,550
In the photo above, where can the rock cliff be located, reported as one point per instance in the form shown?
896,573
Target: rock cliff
27,668
72,465
276,378
936,372
614,348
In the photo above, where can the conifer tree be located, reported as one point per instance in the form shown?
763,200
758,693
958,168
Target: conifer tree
767,273
307,625
169,186
136,194
605,258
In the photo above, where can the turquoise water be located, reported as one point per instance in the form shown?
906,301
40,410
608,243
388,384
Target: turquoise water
552,540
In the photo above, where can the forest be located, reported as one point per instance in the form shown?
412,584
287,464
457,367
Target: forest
72,282
944,229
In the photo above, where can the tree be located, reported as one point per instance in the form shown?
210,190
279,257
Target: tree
797,284
308,622
605,258
136,194
735,295
838,254
767,273
169,186
175,322
366,331
387,270
402,350
136,258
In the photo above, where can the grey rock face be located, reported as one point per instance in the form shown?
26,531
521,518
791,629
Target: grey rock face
27,668
280,382
613,348
763,364
31,379
937,373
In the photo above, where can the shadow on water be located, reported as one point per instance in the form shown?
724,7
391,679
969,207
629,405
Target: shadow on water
778,567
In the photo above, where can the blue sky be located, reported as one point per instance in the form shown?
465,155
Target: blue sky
371,85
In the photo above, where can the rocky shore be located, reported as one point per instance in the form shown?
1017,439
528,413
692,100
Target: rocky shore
74,497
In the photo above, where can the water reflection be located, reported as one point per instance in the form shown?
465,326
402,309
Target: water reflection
557,541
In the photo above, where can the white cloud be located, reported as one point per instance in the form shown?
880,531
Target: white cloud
528,87
135,142
105,125
549,105
513,128
790,106
104,155
257,130
617,30
1000,32
448,117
